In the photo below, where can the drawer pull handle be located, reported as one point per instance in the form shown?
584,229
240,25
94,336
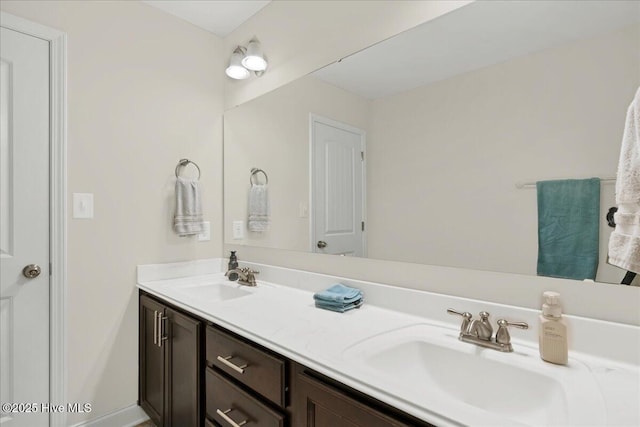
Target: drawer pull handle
224,416
233,366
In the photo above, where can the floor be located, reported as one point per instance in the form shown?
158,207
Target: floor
146,424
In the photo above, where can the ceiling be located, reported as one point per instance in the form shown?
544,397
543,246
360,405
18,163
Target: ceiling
480,34
219,17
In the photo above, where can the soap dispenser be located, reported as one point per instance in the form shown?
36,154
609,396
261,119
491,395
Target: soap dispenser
553,330
233,264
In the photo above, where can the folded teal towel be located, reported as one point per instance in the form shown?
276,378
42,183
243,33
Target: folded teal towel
568,228
337,304
338,307
339,293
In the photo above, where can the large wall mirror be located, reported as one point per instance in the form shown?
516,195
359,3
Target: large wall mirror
424,147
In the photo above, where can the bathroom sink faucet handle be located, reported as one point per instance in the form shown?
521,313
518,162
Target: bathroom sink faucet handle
466,319
249,272
502,336
247,276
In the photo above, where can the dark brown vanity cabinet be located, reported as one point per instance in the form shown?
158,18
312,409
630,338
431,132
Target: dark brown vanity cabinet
169,365
195,373
318,404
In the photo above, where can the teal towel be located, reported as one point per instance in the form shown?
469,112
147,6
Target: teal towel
568,228
340,308
339,293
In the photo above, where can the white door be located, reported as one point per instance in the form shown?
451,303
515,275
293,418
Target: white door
24,228
337,187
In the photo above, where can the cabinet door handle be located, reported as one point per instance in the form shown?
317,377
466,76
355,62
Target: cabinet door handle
158,329
161,336
155,327
224,416
233,366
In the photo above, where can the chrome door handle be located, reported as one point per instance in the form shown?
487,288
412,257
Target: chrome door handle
225,360
321,244
224,416
31,271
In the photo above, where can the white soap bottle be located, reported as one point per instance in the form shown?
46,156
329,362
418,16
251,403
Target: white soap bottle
553,330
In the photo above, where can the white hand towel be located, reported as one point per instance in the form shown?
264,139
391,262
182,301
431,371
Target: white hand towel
624,243
188,218
259,209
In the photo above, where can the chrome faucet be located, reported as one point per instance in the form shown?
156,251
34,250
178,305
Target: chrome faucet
246,276
481,328
480,331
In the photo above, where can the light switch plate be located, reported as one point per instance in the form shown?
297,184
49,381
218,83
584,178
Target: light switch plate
238,230
205,236
83,205
303,210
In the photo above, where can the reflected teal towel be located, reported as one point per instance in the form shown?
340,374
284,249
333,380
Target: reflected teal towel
568,228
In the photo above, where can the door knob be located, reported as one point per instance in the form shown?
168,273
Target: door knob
322,244
31,271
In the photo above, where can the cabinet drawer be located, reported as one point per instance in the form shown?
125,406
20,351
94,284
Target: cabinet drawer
225,400
251,366
321,405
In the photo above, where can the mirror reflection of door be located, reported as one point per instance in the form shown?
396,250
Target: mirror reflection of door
337,187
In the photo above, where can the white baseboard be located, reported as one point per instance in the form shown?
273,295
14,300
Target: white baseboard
126,417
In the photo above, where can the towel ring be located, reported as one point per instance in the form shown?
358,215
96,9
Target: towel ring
184,163
254,172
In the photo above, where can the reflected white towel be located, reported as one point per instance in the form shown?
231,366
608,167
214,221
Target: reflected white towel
624,243
188,218
628,179
259,209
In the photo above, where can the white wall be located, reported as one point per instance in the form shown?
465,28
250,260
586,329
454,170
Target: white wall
144,90
444,158
272,133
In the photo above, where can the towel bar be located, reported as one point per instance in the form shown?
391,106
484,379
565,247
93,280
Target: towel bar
255,171
184,163
532,184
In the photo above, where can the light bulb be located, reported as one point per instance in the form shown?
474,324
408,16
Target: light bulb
254,59
235,70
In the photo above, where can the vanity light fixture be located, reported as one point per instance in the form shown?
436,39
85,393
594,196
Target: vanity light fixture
254,59
236,70
244,60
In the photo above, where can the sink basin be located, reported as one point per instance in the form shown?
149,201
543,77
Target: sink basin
482,383
211,292
517,387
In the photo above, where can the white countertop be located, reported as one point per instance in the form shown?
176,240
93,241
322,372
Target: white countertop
285,320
